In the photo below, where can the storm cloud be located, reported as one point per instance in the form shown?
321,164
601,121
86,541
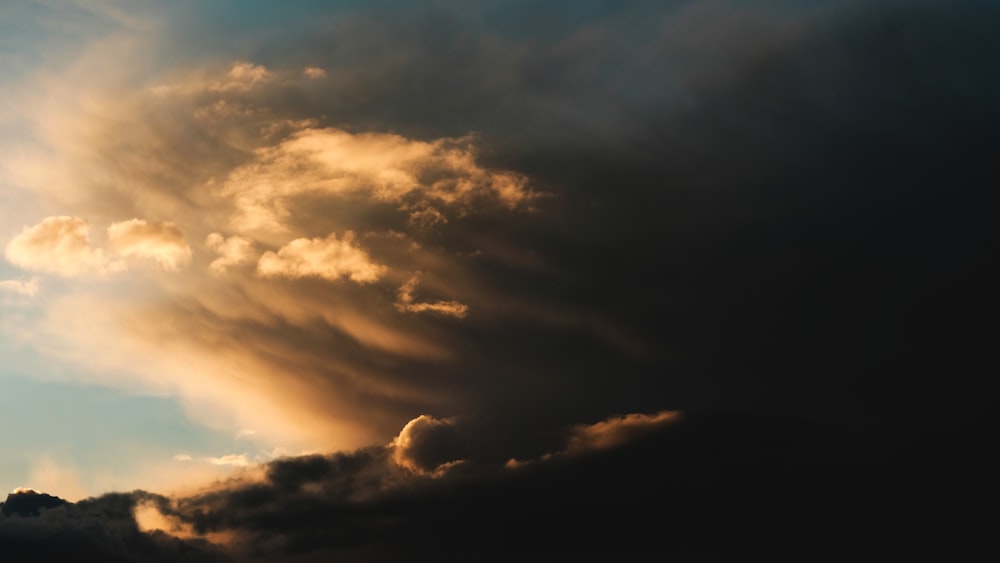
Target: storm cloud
639,269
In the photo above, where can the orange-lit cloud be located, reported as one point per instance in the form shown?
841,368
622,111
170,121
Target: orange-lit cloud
328,258
211,172
617,431
412,174
407,303
162,243
232,251
59,245
238,460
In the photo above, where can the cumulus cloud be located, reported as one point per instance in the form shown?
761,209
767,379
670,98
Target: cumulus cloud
389,168
161,242
328,258
428,445
59,245
233,251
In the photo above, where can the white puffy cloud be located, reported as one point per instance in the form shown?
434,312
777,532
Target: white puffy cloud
328,258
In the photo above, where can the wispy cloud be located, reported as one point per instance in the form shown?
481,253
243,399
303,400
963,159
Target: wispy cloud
407,303
26,288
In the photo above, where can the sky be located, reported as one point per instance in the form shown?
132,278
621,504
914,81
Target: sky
405,281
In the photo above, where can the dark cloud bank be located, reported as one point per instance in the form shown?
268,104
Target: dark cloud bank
795,234
701,488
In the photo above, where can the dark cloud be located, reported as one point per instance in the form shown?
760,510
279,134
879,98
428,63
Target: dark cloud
28,502
781,212
702,488
805,229
102,528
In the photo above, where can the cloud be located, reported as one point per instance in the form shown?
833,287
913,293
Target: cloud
428,445
238,460
239,78
161,242
669,491
26,288
243,76
406,302
102,528
314,72
388,168
328,258
59,245
616,431
758,200
233,251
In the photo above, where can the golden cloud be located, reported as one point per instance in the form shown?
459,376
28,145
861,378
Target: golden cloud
388,168
161,242
328,258
59,245
232,251
217,175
